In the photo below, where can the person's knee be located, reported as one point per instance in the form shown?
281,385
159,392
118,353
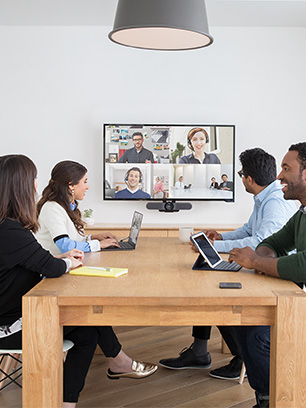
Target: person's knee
85,336
259,339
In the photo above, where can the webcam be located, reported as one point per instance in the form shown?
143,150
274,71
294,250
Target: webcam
169,206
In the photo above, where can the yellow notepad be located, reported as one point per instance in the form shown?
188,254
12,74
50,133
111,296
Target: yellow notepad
99,271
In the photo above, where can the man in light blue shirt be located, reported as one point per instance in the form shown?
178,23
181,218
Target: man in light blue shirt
269,214
271,211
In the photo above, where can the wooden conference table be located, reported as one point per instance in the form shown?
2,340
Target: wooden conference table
160,289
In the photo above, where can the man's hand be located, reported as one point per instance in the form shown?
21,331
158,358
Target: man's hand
213,235
193,247
245,257
148,161
262,260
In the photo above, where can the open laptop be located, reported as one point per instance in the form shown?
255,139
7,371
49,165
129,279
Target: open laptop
130,244
210,260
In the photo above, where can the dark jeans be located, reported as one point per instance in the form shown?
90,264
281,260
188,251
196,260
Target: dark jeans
79,357
227,332
255,346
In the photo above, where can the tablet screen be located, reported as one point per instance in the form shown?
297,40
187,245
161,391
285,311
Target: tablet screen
207,249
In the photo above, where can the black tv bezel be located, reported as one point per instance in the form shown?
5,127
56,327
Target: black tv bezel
152,200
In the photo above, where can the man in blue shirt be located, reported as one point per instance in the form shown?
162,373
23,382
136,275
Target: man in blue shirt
132,178
269,214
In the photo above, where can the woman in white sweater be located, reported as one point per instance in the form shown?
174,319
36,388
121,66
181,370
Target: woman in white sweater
61,227
61,224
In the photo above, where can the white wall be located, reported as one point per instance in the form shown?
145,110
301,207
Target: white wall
59,84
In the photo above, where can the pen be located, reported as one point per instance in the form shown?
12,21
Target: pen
101,269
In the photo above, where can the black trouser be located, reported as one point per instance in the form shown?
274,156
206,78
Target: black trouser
227,332
79,357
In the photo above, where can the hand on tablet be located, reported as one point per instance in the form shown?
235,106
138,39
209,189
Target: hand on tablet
213,235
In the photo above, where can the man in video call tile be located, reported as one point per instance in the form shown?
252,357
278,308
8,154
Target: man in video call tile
226,185
132,179
137,154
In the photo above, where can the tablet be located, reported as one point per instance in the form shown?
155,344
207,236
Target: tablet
206,249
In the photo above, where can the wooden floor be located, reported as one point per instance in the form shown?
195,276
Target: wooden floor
166,388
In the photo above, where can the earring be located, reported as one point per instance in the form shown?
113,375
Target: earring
72,191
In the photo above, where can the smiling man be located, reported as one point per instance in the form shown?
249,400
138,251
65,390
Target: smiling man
271,258
132,179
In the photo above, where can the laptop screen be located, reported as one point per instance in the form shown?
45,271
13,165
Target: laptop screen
135,227
207,249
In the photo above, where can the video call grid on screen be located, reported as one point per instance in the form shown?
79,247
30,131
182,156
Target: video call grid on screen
169,169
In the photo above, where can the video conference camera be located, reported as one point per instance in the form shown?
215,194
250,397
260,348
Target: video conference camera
169,206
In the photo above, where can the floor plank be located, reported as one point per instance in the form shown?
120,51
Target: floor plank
164,389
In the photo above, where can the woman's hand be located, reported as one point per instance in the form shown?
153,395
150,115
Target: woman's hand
75,262
105,243
73,253
103,235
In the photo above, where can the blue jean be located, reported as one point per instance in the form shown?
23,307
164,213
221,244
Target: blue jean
255,346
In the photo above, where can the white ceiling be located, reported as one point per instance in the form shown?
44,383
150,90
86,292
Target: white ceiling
231,13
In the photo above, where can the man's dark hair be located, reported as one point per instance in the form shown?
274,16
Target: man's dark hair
301,149
137,134
259,165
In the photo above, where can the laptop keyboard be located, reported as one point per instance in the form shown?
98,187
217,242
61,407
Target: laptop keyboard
226,266
125,245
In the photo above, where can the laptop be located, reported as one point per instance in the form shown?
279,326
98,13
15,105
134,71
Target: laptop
130,244
209,258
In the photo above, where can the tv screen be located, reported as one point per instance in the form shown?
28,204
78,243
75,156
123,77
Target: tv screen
169,162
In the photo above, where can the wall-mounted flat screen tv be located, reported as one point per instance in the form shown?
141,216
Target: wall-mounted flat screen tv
168,162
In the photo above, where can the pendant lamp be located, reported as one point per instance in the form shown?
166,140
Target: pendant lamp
167,25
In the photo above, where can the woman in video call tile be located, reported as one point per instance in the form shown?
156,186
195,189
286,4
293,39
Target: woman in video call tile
132,179
214,184
158,187
196,141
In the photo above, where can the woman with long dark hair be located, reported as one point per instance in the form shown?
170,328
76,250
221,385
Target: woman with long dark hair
60,229
23,262
60,220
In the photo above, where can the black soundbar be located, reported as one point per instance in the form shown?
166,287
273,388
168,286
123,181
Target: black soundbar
169,206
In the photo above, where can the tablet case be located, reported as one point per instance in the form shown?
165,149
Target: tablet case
201,265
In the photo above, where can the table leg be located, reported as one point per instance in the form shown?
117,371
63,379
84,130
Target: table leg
42,348
288,352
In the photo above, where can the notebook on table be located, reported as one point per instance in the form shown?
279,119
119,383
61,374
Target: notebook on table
99,271
209,258
131,243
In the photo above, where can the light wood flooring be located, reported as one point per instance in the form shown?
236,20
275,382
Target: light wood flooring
164,389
